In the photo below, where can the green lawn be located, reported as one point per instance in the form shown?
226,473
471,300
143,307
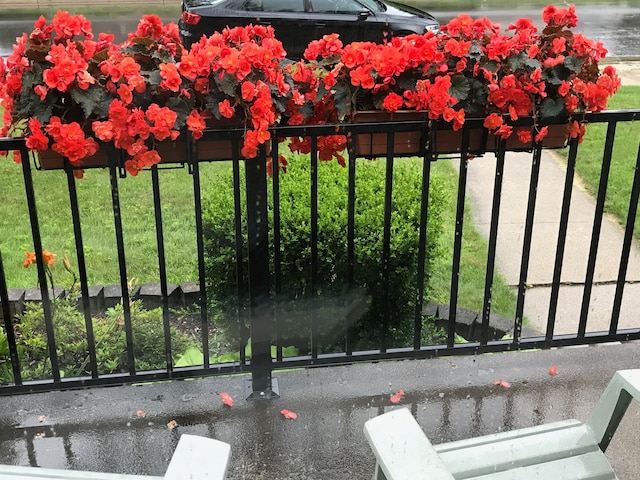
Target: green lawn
589,161
94,194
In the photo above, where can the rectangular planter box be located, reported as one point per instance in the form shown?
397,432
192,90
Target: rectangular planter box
412,143
556,138
170,152
375,144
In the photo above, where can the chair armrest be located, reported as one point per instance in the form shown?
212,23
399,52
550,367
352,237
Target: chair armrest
612,406
199,458
402,450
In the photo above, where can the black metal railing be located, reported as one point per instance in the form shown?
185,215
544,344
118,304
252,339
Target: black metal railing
258,262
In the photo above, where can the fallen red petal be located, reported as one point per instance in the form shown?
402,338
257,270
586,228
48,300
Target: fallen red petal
226,399
553,370
396,397
502,383
288,414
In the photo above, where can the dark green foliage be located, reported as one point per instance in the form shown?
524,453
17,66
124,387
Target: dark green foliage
148,336
6,373
551,107
334,304
109,335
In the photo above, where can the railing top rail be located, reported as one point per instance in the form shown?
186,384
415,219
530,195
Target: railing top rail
604,116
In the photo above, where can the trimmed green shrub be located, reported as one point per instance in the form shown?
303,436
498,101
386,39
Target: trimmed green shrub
109,335
336,304
148,336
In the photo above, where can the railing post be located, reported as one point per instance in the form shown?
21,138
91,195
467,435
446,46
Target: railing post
261,384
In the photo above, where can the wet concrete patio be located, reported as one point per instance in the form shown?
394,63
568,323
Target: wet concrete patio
452,398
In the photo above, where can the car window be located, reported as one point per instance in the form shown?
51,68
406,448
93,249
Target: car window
274,5
199,3
336,6
373,5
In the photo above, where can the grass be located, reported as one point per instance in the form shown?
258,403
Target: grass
94,193
623,163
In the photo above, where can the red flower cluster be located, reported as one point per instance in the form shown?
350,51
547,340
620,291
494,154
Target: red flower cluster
62,89
238,74
129,93
470,69
51,63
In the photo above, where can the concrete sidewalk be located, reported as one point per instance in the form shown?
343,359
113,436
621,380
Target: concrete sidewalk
515,193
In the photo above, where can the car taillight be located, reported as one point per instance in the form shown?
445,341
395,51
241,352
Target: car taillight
190,18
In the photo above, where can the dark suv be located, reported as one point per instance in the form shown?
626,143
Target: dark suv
297,22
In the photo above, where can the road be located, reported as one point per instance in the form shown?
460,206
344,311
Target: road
617,27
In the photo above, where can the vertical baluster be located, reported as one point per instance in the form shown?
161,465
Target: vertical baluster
526,247
202,279
626,247
277,254
597,224
314,244
162,268
82,269
262,385
386,241
562,237
493,240
42,277
351,261
114,156
422,249
457,241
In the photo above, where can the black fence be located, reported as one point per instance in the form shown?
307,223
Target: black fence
264,311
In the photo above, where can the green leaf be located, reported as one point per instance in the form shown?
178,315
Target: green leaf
4,345
280,103
552,107
228,357
343,101
490,65
459,339
30,105
459,87
556,75
306,109
182,107
407,81
94,101
212,104
154,78
228,84
289,351
30,78
574,64
192,356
